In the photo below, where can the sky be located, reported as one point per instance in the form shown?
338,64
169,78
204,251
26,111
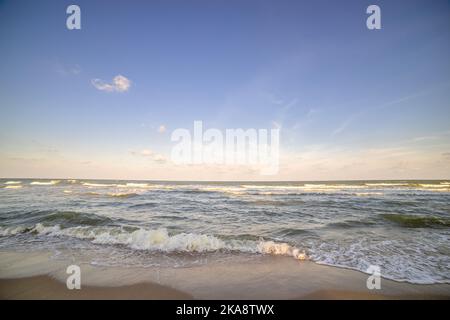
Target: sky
101,102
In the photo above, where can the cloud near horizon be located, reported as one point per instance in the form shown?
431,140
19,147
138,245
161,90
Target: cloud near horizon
156,157
162,128
119,84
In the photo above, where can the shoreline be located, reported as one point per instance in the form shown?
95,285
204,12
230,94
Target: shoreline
35,275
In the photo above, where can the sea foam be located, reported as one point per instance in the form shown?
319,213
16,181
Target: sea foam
160,240
45,183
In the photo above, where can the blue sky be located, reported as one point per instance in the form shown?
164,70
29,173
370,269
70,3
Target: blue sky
351,103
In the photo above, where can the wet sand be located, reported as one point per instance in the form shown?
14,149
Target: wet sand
45,287
38,276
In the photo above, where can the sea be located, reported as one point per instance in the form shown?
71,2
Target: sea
403,227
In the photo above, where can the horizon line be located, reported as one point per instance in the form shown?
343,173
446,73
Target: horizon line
236,181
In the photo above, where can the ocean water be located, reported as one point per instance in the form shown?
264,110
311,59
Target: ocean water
401,226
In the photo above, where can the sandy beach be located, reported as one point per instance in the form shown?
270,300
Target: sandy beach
45,287
37,276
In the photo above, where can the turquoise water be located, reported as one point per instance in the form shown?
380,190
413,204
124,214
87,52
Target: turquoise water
401,226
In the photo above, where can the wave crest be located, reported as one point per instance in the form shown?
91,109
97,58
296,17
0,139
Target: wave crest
160,240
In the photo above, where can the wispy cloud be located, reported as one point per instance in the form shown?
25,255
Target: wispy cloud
425,138
118,84
283,111
146,152
306,119
344,124
413,96
156,157
388,104
67,70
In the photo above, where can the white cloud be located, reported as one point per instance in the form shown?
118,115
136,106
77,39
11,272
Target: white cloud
67,70
162,128
119,84
159,158
155,157
100,85
146,152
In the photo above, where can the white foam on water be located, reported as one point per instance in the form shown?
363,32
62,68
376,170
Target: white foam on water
306,187
134,185
358,255
160,240
368,194
38,228
283,249
384,184
265,187
13,187
435,186
122,194
395,263
11,231
13,182
45,183
41,229
100,185
237,191
331,186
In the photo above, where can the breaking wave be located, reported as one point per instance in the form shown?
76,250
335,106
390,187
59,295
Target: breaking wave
100,185
45,183
12,182
123,194
13,187
159,240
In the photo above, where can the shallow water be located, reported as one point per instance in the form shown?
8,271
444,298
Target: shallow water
401,226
